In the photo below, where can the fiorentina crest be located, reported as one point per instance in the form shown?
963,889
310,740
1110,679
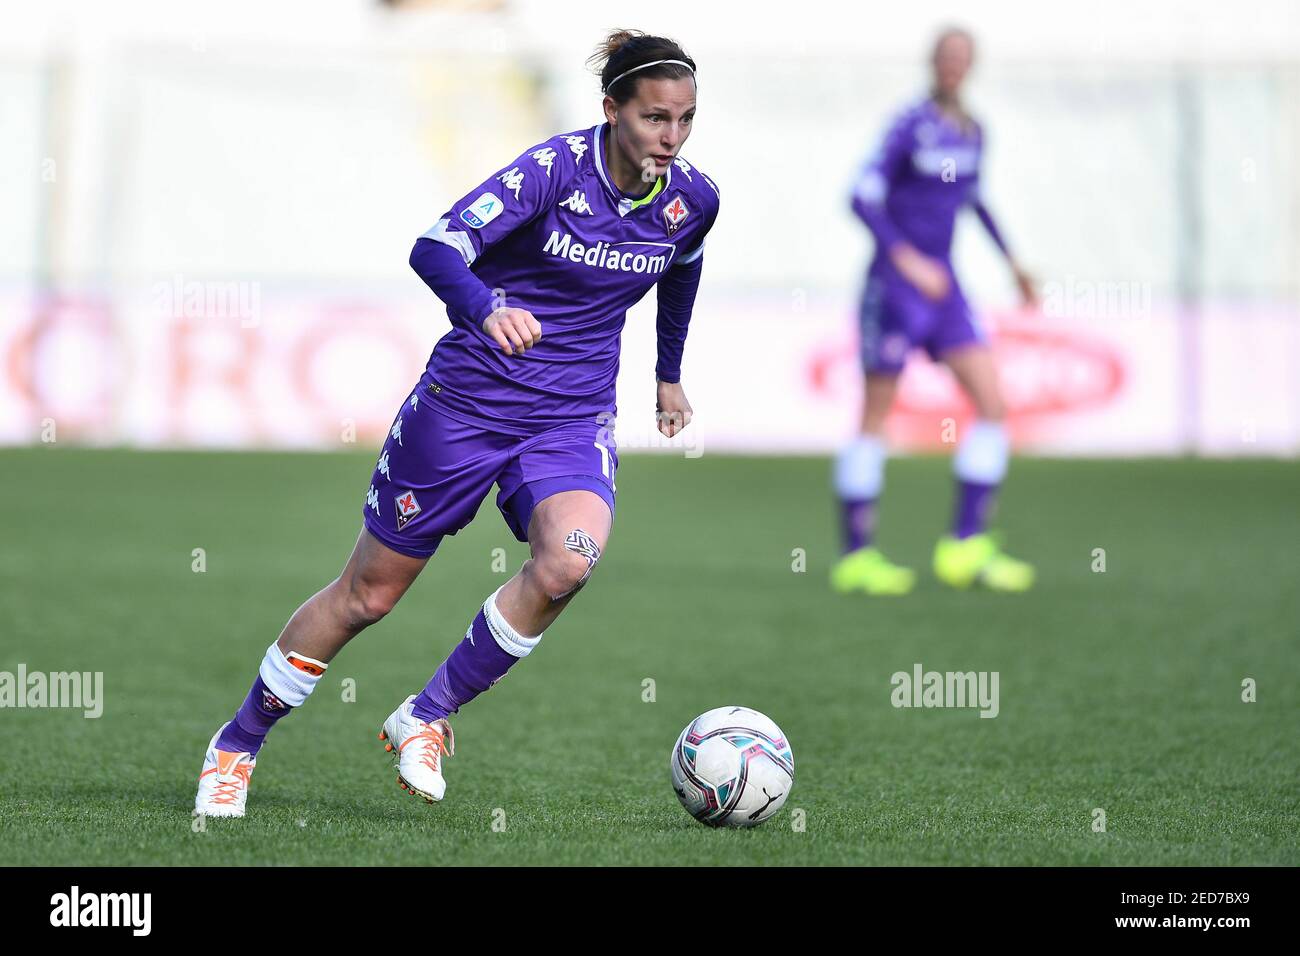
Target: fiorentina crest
407,508
675,214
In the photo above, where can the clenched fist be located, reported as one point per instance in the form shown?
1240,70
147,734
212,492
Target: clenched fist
672,410
515,330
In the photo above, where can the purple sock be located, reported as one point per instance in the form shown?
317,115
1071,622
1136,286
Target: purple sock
859,522
974,503
475,664
253,721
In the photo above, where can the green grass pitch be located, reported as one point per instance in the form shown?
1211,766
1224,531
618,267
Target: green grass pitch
1119,690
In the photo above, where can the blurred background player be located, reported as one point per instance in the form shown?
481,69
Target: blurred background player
908,194
538,266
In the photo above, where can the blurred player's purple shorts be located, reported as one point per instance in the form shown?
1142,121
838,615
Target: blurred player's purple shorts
435,471
895,318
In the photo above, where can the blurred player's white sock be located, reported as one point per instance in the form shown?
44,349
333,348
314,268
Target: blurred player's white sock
979,465
982,454
859,480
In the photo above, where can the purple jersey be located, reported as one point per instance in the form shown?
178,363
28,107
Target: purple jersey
926,169
552,234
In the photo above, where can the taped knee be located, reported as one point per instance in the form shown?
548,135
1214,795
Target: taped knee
583,546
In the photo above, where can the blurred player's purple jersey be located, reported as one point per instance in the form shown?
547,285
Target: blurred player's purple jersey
924,171
910,191
555,236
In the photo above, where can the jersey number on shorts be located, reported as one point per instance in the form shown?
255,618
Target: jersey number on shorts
605,467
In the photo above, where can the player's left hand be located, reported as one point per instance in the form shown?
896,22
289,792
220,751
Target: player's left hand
1028,288
672,409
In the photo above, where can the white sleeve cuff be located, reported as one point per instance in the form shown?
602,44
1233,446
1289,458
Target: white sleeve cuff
454,238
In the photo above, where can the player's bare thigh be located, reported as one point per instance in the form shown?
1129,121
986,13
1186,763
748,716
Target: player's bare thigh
978,376
377,574
567,534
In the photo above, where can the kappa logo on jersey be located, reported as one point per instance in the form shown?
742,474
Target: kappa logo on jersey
685,167
513,179
578,144
271,703
382,465
544,156
578,203
372,500
397,431
407,508
481,211
675,214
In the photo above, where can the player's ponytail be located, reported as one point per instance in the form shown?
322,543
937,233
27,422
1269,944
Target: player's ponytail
626,56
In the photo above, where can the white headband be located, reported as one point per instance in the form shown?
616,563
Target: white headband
643,66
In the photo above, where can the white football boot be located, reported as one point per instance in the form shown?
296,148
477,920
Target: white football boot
419,747
223,783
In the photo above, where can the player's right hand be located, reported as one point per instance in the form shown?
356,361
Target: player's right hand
515,330
928,275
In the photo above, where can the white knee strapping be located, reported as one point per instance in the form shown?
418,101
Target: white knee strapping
507,638
291,684
982,455
860,468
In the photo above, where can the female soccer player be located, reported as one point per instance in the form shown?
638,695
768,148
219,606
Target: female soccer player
538,266
908,195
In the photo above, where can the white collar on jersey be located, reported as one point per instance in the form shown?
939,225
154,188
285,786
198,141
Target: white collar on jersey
624,203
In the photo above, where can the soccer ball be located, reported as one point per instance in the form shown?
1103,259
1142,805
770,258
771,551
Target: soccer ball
732,767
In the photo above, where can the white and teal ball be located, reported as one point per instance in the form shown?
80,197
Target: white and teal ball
732,767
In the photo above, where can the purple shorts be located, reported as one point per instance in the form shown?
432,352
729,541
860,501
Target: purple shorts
435,471
895,318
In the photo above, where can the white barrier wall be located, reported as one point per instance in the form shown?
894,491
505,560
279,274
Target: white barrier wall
191,363
207,215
